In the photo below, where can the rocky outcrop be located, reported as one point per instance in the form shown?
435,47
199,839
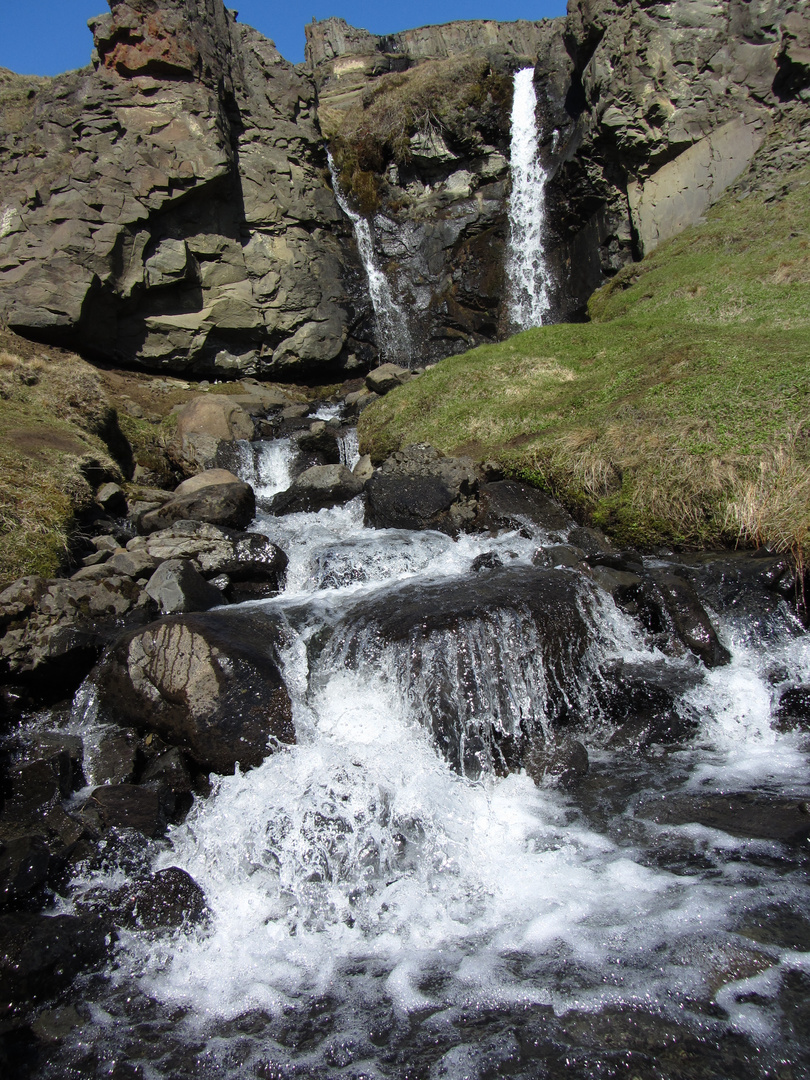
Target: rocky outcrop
642,139
168,207
171,208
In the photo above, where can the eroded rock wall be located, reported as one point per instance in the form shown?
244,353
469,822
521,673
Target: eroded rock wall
661,106
170,207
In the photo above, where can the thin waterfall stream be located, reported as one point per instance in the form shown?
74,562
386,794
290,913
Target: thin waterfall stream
393,333
374,910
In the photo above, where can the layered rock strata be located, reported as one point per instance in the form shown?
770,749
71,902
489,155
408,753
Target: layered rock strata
168,207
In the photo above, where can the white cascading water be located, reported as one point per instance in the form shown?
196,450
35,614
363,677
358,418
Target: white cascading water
393,334
526,266
358,868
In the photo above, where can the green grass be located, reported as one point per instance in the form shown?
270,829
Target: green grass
679,415
52,411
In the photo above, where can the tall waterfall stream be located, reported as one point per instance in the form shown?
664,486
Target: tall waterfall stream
526,267
374,912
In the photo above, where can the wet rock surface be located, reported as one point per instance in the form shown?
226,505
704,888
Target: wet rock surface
420,488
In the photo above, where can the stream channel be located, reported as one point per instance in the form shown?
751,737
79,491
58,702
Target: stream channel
387,899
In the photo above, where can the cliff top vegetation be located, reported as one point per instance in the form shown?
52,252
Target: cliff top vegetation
680,415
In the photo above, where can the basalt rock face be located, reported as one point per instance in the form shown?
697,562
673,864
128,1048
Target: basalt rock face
653,110
419,125
169,207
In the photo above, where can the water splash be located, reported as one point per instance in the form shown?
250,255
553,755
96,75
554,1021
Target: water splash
526,267
393,334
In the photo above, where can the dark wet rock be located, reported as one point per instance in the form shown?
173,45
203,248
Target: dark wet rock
143,807
566,555
489,560
689,619
114,755
232,505
207,682
592,541
40,955
750,815
319,487
420,488
509,504
320,444
528,623
386,377
642,701
793,711
176,586
164,900
24,865
560,761
169,769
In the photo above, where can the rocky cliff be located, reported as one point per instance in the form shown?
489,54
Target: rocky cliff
653,109
171,207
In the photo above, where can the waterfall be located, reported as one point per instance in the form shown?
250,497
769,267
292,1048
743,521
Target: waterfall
393,334
526,267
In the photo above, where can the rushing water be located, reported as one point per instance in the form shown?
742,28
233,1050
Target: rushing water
526,267
393,333
375,912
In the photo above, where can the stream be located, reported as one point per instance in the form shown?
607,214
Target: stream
386,899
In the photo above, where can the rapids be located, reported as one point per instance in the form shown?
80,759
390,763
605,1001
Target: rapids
375,912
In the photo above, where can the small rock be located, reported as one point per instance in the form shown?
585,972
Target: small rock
112,498
128,806
385,378
176,586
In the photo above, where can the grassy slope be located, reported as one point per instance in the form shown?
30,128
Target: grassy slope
679,415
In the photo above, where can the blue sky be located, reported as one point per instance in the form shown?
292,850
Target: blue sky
46,37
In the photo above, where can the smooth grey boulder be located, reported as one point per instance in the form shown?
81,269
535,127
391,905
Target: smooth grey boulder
317,488
176,587
231,504
209,683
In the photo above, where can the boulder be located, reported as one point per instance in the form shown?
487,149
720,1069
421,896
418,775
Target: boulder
316,488
209,683
230,504
55,629
176,586
164,900
215,550
207,478
509,504
42,954
386,377
562,762
489,661
751,815
204,423
689,619
24,865
420,488
143,807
